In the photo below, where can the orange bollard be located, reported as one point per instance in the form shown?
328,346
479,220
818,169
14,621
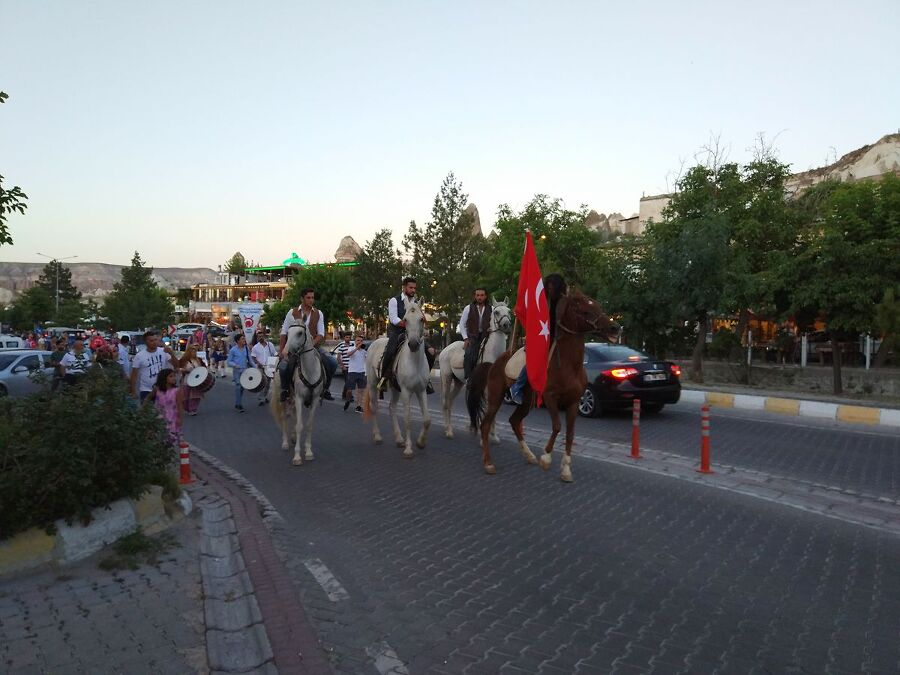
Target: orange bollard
704,440
636,429
185,478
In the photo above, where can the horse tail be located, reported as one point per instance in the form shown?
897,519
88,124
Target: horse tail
367,406
475,393
275,406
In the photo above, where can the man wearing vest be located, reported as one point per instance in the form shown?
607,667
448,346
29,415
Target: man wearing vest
397,328
473,326
312,318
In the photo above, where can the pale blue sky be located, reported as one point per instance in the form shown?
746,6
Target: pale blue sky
189,130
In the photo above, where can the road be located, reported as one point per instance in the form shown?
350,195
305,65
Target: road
449,570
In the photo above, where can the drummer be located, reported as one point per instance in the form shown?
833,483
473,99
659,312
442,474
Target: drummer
259,355
190,395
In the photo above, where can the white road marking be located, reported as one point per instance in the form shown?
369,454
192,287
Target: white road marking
386,660
327,580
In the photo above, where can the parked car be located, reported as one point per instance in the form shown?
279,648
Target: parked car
11,342
18,370
618,374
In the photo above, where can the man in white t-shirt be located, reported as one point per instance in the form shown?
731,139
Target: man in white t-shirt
259,355
148,363
75,363
356,373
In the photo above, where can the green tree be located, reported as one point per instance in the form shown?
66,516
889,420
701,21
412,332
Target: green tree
445,255
376,278
887,322
848,256
32,308
136,300
12,200
70,310
236,264
333,286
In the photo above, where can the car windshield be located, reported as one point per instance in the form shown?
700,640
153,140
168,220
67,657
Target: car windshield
6,359
604,352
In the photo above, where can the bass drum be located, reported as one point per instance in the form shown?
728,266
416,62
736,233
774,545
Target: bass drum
201,379
253,380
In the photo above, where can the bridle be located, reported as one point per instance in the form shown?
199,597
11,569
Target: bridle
301,351
590,322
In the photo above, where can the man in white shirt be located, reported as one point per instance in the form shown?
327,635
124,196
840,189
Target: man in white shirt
473,326
124,356
396,327
147,365
314,320
75,363
259,355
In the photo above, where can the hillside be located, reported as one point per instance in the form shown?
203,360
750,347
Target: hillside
95,280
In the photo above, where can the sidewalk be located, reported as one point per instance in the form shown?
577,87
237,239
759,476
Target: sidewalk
798,404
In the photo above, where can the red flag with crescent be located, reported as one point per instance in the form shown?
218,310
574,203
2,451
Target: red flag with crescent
534,313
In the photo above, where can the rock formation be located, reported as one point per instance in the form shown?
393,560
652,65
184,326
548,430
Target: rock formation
348,250
472,210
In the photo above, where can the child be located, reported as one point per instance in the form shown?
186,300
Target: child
167,398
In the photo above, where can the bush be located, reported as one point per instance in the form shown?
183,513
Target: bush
65,453
724,342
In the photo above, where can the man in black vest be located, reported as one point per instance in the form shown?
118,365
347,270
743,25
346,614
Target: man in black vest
473,326
396,329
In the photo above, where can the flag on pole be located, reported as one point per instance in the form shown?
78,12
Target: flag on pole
534,314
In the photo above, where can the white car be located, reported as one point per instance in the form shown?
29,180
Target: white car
19,368
11,342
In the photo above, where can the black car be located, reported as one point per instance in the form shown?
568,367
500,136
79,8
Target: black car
618,374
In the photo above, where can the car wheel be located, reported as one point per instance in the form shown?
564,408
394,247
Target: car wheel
652,407
588,406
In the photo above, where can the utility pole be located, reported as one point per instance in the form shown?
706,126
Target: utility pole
58,262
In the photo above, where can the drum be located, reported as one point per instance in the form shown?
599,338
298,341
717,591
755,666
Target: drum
271,366
253,380
201,379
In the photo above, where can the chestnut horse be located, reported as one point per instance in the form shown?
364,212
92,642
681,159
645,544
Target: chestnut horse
577,315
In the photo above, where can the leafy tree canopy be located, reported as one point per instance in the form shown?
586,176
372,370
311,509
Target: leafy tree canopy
333,286
376,278
137,301
236,264
12,200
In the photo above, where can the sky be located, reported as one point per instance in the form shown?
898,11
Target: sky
190,130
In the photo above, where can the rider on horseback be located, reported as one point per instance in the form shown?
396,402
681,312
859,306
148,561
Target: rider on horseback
473,326
555,288
397,330
314,321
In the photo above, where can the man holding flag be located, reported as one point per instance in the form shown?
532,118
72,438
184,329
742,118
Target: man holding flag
536,310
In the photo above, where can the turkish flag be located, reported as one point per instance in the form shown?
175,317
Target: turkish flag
534,313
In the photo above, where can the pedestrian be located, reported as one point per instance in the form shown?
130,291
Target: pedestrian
356,373
124,356
148,364
343,360
59,351
239,360
166,397
191,396
259,355
219,356
75,363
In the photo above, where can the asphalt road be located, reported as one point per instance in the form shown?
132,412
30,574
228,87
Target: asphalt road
448,570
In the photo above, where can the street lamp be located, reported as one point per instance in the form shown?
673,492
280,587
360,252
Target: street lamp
58,265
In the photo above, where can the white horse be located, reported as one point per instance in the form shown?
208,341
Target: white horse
451,360
309,383
411,367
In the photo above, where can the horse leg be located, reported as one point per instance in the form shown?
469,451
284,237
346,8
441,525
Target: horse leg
517,422
494,401
284,423
298,429
308,455
566,469
450,387
398,435
547,457
406,442
426,419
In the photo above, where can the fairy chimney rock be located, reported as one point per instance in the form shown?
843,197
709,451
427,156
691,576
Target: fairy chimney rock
472,210
348,250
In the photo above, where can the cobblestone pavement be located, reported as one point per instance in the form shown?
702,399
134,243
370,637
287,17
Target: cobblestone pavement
87,620
428,565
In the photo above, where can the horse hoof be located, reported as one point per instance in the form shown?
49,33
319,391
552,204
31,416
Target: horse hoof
490,469
420,444
285,446
296,461
531,460
408,454
378,441
546,461
448,434
567,478
309,457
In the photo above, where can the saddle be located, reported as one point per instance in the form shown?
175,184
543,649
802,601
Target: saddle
458,360
515,364
392,378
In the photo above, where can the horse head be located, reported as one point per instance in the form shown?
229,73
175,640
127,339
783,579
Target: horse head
579,313
297,339
415,324
501,317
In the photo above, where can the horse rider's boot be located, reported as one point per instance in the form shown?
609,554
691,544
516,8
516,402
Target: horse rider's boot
329,373
285,372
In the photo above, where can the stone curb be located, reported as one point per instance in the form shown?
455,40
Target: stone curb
71,543
842,412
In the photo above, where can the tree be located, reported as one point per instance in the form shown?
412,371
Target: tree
333,286
32,308
376,278
137,301
12,200
68,308
887,322
236,264
445,255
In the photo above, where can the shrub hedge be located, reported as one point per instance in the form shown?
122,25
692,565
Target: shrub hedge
67,452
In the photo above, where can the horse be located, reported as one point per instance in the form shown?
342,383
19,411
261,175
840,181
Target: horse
451,360
412,371
309,383
577,316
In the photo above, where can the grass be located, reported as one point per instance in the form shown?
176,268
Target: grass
137,549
